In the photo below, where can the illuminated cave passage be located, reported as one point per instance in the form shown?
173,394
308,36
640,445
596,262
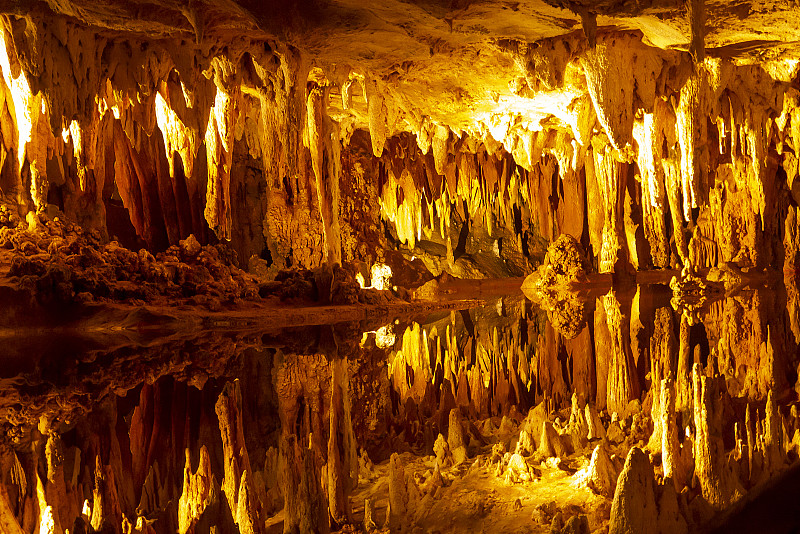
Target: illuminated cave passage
342,266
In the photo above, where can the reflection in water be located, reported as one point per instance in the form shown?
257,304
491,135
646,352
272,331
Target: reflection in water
489,417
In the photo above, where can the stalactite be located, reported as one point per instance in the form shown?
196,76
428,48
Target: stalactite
377,117
236,458
218,140
647,135
31,117
323,140
612,251
693,139
610,84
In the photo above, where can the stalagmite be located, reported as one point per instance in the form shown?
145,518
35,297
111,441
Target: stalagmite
550,442
595,426
397,513
525,444
670,517
517,470
455,437
634,508
577,427
441,449
602,476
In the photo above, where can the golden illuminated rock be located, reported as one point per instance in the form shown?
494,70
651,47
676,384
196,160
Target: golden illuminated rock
385,169
634,507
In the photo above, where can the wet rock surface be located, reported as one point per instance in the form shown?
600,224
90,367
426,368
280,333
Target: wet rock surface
331,428
60,263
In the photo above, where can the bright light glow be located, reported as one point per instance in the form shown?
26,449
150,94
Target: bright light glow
87,511
177,137
384,337
23,100
187,96
48,522
381,276
77,150
512,112
75,133
360,279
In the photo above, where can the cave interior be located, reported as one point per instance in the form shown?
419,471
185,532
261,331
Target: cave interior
424,266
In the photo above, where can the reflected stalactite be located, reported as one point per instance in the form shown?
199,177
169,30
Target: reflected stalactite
622,385
236,460
142,158
342,466
497,387
717,480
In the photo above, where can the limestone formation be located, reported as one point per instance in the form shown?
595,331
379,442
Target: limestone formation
602,475
595,429
369,523
455,437
551,443
719,484
397,511
444,458
389,173
634,507
199,491
518,470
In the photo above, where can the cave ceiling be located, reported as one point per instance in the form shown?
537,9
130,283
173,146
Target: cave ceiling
460,63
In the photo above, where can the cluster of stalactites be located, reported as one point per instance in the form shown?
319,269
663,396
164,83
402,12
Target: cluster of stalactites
74,103
67,90
689,126
502,363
